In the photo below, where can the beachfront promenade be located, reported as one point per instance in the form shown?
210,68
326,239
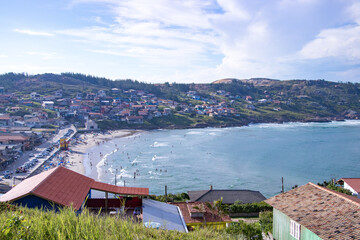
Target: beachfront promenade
17,177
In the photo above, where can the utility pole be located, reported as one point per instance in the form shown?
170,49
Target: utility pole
124,183
165,193
282,184
115,176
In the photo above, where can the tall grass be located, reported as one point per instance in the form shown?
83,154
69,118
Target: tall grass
23,223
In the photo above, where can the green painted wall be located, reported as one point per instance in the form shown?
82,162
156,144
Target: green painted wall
308,235
281,228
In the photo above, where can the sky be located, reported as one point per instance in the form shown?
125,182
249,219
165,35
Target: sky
183,41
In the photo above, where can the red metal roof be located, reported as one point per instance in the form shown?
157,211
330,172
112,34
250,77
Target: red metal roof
120,190
65,187
25,187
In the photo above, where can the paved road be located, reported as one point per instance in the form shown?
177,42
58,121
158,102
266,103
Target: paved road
25,157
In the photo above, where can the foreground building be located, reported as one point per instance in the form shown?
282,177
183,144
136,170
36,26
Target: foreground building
61,187
311,212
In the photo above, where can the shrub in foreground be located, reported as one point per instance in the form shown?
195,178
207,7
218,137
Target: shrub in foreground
23,223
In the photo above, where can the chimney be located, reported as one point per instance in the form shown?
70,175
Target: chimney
211,187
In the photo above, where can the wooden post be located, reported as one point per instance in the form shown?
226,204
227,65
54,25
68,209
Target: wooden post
115,176
165,193
282,184
106,201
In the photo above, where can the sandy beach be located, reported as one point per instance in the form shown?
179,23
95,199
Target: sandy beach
89,140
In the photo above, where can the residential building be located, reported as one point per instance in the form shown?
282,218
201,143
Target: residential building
165,216
311,212
352,184
167,111
134,119
5,120
198,214
91,125
48,104
60,187
229,196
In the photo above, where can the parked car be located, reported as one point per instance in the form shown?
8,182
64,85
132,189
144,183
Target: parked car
7,172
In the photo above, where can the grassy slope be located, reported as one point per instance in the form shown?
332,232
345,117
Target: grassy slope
23,223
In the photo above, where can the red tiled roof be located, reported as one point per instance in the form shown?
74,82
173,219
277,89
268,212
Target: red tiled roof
187,207
5,117
13,138
65,187
328,214
354,183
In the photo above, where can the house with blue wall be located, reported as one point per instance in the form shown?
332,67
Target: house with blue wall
61,187
312,212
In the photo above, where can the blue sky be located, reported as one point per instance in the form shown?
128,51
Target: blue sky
183,40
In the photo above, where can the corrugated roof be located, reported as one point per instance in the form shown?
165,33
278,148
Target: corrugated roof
354,183
328,214
25,187
169,216
120,190
229,196
65,187
210,216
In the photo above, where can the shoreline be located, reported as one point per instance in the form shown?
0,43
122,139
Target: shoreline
83,164
86,141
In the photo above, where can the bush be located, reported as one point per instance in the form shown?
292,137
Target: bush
332,186
237,207
179,197
266,221
247,230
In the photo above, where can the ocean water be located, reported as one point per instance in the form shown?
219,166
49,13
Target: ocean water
255,157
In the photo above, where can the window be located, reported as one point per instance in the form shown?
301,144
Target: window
295,229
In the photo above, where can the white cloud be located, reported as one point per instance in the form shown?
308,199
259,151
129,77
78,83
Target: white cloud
35,33
29,68
337,42
3,56
214,39
45,55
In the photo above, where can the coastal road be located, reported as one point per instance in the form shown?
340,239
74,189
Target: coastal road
26,155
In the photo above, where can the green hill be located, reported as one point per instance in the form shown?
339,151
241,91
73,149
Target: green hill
244,101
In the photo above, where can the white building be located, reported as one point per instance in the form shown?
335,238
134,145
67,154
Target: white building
35,96
48,104
90,125
352,184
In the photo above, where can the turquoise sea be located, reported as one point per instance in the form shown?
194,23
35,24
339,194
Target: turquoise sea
253,157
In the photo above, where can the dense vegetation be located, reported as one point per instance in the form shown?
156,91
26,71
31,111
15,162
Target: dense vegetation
23,223
330,185
239,207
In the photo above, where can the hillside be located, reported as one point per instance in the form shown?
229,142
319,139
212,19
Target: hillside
225,102
24,223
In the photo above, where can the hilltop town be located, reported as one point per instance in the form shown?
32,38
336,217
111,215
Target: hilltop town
48,100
